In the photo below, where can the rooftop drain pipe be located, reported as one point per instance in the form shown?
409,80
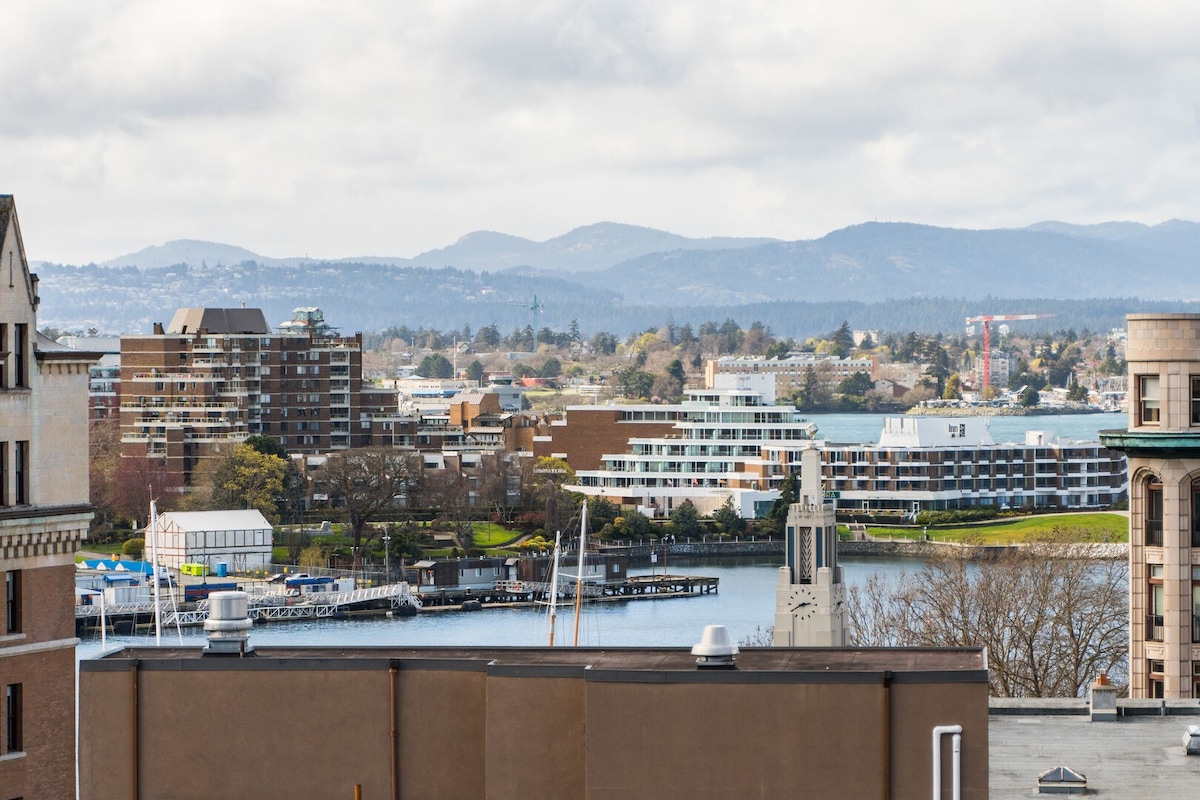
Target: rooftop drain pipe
715,650
228,624
956,747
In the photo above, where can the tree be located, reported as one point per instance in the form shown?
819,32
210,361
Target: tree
778,350
843,341
687,520
365,483
552,368
953,390
104,459
435,366
268,445
666,387
545,481
247,478
728,518
604,343
488,335
475,371
855,385
1050,622
1029,397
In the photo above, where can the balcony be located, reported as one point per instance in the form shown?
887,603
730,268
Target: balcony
1196,628
1154,533
1154,628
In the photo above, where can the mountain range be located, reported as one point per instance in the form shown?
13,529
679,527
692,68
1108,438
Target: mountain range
608,275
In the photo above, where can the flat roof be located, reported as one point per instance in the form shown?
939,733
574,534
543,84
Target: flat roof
832,665
1135,756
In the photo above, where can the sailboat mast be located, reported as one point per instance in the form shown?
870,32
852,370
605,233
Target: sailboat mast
579,574
154,567
554,586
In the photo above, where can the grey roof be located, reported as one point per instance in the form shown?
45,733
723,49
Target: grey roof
232,520
1134,756
219,320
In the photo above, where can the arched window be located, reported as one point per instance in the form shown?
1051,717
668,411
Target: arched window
1152,513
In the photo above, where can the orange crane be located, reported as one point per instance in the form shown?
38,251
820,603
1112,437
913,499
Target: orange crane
987,320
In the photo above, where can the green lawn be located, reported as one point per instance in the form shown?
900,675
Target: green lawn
1097,527
489,534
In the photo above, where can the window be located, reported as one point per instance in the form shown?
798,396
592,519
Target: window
1148,400
3,356
21,473
1196,607
1156,678
12,601
13,740
1154,620
1154,514
20,355
1195,400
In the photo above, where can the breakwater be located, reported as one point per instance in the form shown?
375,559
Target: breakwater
641,554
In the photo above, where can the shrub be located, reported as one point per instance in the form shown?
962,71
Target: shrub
133,548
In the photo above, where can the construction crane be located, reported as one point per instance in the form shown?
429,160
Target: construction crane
536,308
987,319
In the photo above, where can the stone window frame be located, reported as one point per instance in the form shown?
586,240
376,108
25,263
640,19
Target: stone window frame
1149,399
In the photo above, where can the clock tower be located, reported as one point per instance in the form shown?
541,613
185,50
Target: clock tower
810,598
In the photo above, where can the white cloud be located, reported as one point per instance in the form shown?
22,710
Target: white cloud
390,128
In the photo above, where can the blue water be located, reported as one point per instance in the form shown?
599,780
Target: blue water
744,602
864,428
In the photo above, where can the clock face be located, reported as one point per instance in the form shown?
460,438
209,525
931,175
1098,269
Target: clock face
802,602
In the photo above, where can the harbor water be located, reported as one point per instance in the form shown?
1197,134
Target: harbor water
745,601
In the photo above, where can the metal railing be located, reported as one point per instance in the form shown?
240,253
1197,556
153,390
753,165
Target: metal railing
1154,628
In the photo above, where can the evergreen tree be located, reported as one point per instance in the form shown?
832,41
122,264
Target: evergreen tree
843,341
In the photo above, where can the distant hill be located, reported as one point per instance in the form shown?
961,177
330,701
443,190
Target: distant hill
886,261
622,278
184,251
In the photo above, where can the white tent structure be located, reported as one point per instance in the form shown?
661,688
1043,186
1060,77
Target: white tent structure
241,539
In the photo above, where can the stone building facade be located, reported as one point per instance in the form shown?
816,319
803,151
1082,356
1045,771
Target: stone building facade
44,515
1162,443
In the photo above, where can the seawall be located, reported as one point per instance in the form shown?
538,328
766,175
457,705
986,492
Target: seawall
639,554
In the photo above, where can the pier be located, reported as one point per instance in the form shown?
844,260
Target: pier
264,606
515,593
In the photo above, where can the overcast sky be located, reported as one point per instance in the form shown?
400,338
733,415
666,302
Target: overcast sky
355,128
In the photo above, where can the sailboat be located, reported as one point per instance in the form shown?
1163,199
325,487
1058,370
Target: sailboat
154,564
578,576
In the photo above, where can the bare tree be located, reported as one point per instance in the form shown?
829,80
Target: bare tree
447,491
1050,620
365,483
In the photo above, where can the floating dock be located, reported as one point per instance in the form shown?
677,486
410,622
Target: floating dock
516,593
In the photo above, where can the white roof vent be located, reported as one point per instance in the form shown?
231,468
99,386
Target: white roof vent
228,624
715,650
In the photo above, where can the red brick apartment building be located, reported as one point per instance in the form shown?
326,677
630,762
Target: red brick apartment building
44,514
214,376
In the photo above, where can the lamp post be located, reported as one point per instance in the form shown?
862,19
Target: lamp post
387,560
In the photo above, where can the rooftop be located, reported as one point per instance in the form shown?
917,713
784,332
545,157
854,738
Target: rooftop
813,664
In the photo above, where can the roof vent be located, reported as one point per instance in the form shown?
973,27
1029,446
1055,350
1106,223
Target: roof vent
228,624
1062,780
715,650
